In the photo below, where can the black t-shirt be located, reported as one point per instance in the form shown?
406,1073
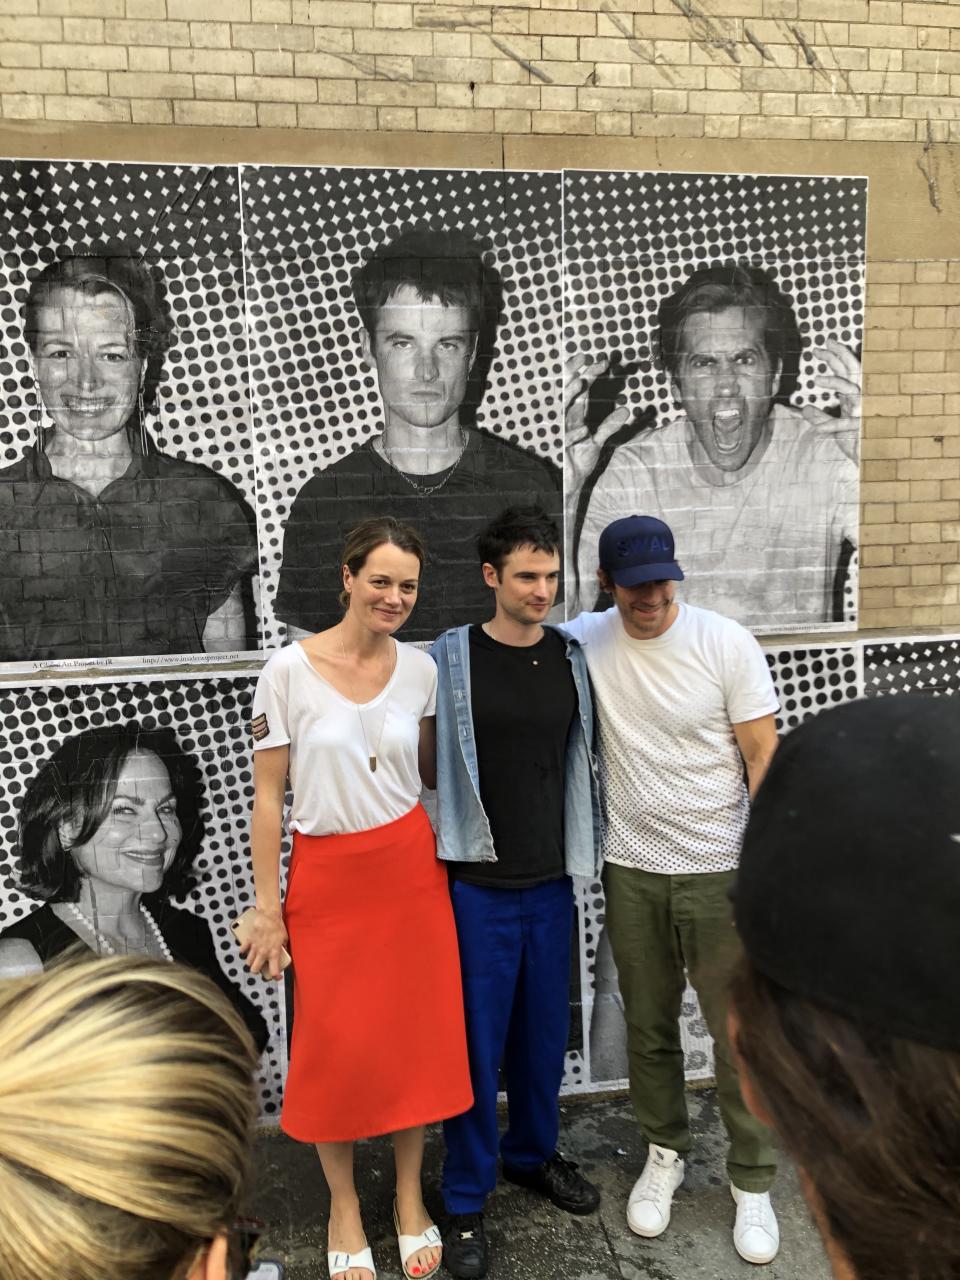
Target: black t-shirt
524,701
137,570
493,473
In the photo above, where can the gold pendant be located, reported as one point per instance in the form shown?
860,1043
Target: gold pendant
373,764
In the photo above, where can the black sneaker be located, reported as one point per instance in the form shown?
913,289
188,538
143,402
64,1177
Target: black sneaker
466,1253
558,1180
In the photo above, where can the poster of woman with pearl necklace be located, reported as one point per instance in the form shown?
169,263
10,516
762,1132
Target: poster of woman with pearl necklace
123,823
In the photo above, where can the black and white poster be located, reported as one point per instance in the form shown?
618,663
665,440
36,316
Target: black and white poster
123,829
127,523
713,331
212,373
405,347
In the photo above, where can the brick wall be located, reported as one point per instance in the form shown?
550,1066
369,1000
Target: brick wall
910,469
842,86
824,69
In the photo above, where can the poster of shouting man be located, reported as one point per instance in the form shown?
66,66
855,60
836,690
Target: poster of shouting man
726,399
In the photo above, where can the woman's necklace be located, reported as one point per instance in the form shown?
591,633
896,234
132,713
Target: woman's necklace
427,488
106,947
371,755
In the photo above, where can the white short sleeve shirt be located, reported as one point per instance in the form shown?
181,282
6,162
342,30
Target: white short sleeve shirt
331,740
672,773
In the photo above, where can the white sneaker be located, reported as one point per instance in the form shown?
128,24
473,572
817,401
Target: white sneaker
648,1206
756,1236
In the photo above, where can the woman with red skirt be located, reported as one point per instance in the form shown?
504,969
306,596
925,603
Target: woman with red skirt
378,1034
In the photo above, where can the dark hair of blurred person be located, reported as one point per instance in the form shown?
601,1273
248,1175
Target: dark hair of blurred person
846,1020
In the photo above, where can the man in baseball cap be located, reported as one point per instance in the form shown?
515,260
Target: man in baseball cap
638,549
845,1011
684,700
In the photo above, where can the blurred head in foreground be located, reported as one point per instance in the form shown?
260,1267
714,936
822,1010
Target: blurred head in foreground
845,1014
126,1106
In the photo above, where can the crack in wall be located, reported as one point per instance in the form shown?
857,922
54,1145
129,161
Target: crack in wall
706,31
521,62
367,65
930,168
634,45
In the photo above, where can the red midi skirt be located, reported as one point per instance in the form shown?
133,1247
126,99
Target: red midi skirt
378,1033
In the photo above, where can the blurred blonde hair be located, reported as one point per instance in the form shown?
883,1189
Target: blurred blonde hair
126,1107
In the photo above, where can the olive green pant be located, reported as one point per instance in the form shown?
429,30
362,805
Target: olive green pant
658,926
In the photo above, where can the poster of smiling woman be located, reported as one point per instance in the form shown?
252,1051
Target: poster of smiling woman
126,522
123,831
713,332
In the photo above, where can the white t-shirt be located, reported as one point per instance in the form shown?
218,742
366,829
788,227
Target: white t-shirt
331,739
763,548
672,773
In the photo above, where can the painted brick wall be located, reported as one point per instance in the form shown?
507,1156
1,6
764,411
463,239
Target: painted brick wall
910,468
761,85
829,69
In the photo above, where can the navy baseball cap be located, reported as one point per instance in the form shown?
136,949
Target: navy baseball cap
638,549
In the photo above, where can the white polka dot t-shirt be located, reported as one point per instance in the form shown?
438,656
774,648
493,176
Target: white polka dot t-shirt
672,774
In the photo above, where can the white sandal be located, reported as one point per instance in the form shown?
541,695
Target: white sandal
409,1245
338,1262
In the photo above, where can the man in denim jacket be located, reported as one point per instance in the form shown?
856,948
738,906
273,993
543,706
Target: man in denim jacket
518,815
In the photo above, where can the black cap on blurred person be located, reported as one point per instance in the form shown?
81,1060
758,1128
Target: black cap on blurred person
848,891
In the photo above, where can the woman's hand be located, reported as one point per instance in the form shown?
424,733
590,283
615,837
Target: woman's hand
268,936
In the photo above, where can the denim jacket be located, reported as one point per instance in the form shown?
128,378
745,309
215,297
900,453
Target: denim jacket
463,830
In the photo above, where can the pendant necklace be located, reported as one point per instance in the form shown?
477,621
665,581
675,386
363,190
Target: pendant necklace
371,755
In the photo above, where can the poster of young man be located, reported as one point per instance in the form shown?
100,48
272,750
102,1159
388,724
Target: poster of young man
406,362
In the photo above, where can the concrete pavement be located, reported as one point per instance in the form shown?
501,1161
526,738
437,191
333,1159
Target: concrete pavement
531,1239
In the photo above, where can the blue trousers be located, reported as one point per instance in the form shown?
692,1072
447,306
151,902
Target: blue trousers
515,960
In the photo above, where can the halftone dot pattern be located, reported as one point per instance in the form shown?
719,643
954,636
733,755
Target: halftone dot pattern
695,1039
210,717
184,219
851,586
913,666
809,680
574,1075
306,231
